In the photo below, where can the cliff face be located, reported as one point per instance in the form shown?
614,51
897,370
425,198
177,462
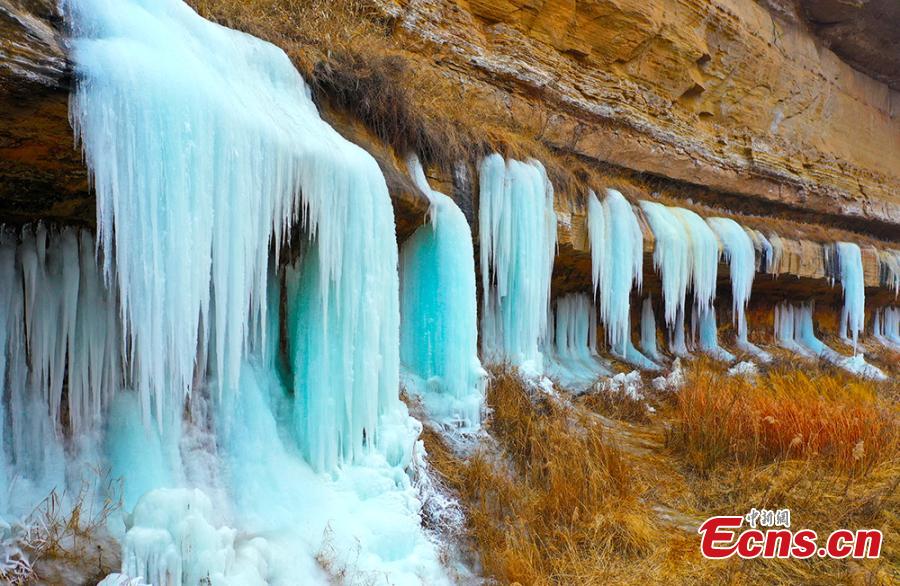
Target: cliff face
41,174
717,93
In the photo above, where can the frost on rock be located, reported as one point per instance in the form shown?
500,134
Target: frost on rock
794,331
517,232
573,359
438,313
617,260
739,252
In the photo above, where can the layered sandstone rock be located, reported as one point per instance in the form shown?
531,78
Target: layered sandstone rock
719,93
41,172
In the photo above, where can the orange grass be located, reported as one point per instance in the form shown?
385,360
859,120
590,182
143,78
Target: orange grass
785,414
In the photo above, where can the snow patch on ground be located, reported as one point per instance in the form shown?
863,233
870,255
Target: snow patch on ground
629,385
745,368
671,382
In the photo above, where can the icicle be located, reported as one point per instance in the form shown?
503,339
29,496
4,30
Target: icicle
785,327
777,253
617,257
704,256
438,320
764,251
11,322
889,265
671,257
738,252
518,244
853,315
704,322
60,332
575,363
677,343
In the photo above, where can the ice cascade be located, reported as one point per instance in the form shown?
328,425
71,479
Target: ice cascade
739,251
208,157
686,255
853,314
617,261
517,234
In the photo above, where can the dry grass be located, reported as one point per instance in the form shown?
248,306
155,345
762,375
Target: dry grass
785,414
554,497
617,405
64,540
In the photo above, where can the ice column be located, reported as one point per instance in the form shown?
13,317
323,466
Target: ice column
886,327
795,331
648,331
575,363
517,233
853,314
438,312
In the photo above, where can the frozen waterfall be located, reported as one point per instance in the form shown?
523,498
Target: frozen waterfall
517,233
739,252
686,254
246,391
617,266
438,312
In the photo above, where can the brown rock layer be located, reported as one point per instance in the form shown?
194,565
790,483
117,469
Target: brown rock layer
709,92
